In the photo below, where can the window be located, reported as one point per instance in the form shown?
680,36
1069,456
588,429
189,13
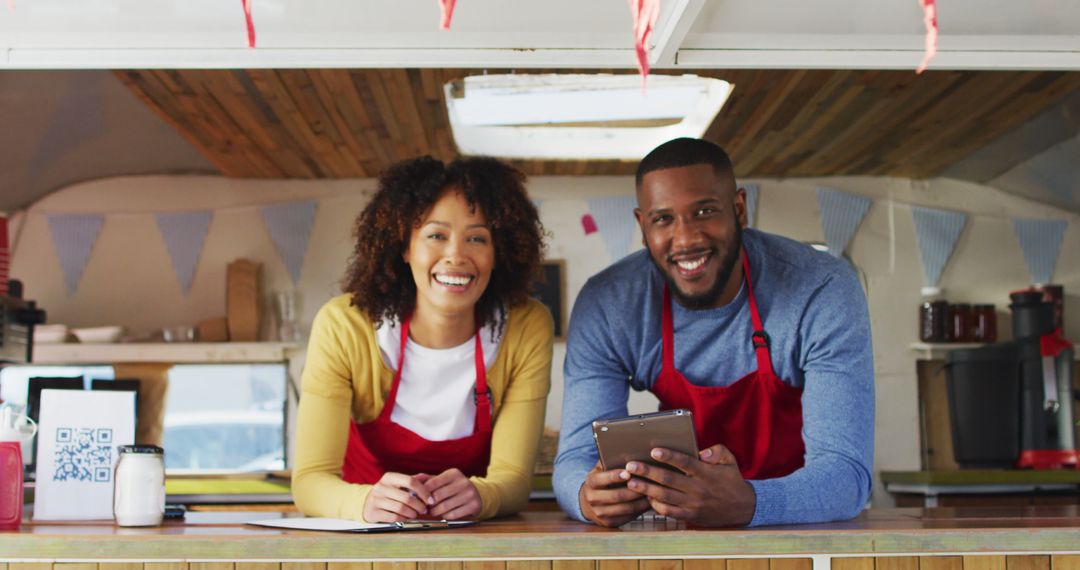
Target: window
228,417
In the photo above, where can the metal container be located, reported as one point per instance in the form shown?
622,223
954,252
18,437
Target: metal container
139,486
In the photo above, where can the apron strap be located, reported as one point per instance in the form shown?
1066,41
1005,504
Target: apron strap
482,395
391,398
760,338
667,334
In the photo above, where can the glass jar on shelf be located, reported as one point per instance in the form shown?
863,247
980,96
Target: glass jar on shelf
933,315
959,329
984,323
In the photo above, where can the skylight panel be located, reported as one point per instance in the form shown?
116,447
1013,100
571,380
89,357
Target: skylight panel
574,117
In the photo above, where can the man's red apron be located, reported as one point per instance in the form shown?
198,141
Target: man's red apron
382,446
759,417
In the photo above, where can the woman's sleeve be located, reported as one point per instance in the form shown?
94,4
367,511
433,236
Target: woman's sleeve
520,422
322,422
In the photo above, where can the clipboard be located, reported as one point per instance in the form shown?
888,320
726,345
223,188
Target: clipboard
343,525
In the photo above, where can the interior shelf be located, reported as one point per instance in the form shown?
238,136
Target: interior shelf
938,350
180,352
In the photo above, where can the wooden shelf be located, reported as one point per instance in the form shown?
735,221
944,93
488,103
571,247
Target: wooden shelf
180,352
938,350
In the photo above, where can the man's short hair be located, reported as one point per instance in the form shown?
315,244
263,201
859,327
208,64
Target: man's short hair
685,152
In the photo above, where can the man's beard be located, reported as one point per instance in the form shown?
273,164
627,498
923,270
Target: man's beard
707,299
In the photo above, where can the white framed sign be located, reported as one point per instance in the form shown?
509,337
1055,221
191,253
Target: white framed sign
78,438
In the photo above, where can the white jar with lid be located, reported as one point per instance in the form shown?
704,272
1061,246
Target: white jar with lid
139,486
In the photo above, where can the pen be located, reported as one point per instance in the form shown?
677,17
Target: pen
420,525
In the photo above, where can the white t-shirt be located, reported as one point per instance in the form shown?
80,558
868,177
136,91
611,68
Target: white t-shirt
435,396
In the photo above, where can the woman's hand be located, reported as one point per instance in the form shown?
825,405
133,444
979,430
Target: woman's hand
396,497
453,496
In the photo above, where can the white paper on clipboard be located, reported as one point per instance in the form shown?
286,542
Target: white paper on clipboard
342,525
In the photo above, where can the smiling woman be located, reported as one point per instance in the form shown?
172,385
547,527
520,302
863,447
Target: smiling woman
440,277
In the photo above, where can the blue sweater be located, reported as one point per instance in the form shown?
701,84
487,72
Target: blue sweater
814,311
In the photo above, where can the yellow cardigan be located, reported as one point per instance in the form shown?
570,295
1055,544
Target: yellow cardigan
345,378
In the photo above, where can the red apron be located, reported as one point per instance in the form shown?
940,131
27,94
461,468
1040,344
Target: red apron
759,417
382,446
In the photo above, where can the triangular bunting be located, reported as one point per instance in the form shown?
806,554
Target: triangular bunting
73,238
615,219
841,214
752,192
936,231
1040,240
289,226
184,234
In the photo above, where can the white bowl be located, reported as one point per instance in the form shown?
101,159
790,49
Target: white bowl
50,334
99,334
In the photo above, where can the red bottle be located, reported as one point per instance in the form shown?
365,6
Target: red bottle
11,485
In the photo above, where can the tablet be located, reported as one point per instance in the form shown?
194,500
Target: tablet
632,438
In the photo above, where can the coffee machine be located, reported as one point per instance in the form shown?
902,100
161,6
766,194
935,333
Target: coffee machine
1011,403
1048,429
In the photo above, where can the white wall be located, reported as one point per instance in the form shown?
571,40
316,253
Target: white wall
129,281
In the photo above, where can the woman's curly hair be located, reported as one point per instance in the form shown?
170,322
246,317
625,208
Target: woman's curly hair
381,283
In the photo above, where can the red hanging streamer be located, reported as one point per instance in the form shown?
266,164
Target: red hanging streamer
250,23
930,20
447,7
644,13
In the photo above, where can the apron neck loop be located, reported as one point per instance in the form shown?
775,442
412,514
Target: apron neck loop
759,338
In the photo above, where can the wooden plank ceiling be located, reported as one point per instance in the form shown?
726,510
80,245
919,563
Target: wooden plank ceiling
778,123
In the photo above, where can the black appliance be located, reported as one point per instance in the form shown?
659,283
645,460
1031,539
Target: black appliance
17,319
1011,403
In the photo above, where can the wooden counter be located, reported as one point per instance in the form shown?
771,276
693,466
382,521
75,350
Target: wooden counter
979,538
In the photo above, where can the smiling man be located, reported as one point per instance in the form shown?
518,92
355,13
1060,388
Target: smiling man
764,339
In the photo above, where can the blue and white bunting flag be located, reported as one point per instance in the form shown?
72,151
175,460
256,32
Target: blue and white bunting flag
73,237
752,192
936,231
184,234
615,219
289,226
1040,240
841,214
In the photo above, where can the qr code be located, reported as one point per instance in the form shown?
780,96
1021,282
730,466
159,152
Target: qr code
83,454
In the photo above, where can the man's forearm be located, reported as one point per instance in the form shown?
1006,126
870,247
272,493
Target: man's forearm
829,489
569,476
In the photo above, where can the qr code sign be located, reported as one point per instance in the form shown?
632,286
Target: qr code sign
83,454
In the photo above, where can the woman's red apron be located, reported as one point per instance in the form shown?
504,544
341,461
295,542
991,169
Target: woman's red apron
759,417
382,446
